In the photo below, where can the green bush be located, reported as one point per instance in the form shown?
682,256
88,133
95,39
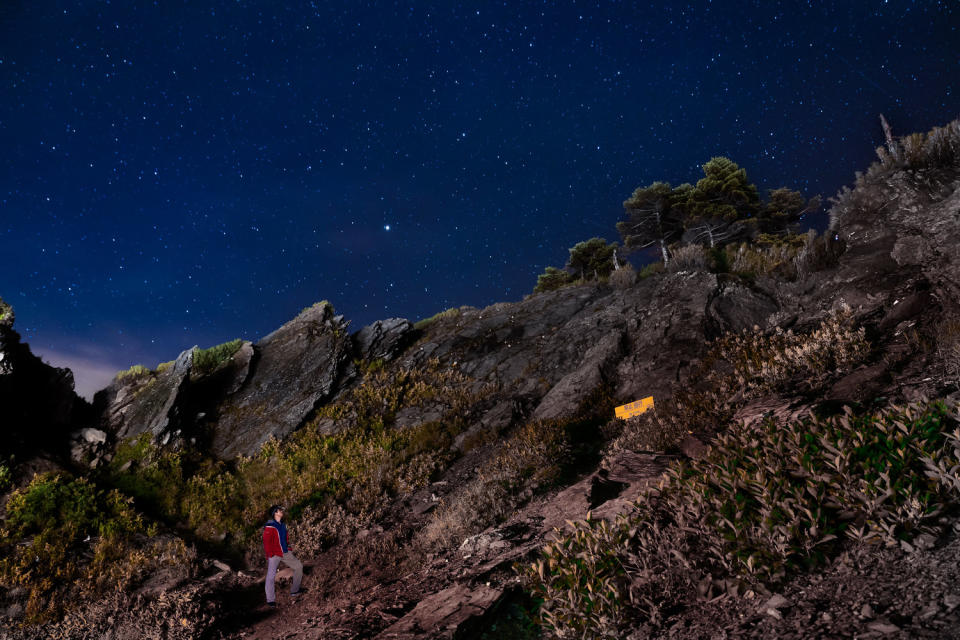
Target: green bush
6,475
56,515
582,581
651,269
206,360
135,372
552,279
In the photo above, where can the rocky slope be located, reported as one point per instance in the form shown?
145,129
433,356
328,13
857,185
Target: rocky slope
892,257
40,407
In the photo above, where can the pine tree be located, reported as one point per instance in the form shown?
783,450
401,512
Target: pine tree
592,258
721,198
653,217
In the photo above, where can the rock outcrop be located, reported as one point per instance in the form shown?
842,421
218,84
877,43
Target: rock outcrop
295,369
38,401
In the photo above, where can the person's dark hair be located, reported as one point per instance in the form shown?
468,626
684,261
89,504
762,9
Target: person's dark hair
275,508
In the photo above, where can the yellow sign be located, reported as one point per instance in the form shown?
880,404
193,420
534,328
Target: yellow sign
634,408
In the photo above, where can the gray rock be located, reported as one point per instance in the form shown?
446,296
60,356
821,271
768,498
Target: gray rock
566,397
444,612
145,404
296,368
93,436
383,339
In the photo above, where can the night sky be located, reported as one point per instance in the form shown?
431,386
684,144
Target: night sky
183,173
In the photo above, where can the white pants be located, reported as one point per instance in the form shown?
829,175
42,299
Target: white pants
272,563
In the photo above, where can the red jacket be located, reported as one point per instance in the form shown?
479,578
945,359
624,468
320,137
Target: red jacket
274,539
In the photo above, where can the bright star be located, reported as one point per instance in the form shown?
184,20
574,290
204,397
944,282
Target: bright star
386,227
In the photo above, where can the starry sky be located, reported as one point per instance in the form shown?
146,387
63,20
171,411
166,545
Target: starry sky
184,173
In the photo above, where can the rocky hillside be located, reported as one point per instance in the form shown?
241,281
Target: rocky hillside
421,462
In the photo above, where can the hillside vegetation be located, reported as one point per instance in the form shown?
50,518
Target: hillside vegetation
805,386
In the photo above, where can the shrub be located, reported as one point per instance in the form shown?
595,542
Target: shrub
691,257
766,500
920,159
552,279
651,269
6,475
940,147
132,374
582,581
948,350
740,366
58,514
206,360
818,253
766,362
452,312
755,260
6,314
624,277
530,459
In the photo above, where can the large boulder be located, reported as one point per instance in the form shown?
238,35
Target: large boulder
146,402
294,370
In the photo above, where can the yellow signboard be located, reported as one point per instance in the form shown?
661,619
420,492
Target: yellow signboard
634,408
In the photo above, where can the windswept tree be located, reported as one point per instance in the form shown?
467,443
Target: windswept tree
592,258
784,208
551,279
653,217
720,199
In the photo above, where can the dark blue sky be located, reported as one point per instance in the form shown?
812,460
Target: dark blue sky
180,173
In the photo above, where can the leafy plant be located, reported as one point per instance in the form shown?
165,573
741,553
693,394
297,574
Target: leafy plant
552,279
741,366
582,581
767,500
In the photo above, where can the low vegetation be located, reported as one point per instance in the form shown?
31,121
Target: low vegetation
65,541
530,459
427,322
766,501
349,473
135,372
207,360
741,366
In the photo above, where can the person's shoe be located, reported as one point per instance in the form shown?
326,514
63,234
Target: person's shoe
272,605
297,593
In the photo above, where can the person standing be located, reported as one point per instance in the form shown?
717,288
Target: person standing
277,550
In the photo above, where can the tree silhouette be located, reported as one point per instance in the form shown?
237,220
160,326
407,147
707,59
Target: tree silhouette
593,257
653,217
722,197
